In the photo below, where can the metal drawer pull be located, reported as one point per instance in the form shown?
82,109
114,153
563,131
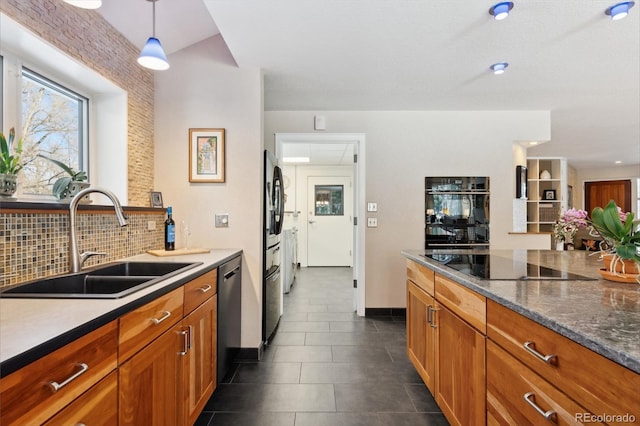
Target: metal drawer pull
185,336
165,315
55,386
530,398
205,289
428,310
549,359
433,318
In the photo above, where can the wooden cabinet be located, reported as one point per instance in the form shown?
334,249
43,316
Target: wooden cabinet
446,324
36,392
421,336
596,383
461,322
96,407
199,363
148,382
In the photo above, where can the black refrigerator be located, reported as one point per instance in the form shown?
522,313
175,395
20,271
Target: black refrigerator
272,225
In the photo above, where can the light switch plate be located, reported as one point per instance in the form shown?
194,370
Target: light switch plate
222,220
372,222
372,207
320,122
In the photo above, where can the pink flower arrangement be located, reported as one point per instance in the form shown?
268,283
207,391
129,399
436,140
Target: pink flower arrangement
568,224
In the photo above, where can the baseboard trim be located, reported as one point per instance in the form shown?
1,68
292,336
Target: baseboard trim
385,312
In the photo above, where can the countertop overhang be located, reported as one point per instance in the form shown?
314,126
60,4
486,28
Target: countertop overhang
33,328
601,315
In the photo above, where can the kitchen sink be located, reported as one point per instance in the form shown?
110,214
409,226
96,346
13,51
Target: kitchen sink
105,282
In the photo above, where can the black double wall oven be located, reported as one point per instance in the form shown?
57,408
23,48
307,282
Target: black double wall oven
456,212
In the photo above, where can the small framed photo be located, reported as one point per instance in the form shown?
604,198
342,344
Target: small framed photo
206,155
549,194
156,200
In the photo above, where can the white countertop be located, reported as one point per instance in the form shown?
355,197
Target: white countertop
26,324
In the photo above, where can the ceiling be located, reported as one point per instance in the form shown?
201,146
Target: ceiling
564,56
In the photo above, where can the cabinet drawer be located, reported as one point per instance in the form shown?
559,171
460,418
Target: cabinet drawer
509,381
28,396
138,328
421,276
467,304
199,290
97,407
598,384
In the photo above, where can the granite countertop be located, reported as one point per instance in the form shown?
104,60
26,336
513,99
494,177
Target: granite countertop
601,315
32,328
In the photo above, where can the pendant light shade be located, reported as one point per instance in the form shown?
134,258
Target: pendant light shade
152,55
499,68
85,4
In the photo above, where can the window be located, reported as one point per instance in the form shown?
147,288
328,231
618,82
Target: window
54,122
329,200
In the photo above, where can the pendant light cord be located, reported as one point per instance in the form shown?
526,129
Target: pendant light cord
154,18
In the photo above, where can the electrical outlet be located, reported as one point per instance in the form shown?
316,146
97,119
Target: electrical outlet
372,222
222,220
372,207
151,225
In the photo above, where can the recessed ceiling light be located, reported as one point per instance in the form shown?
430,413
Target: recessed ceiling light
501,10
533,143
499,68
620,10
618,161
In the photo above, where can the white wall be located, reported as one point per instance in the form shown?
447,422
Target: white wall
204,88
402,147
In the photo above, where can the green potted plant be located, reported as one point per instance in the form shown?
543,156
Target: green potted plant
621,234
10,163
66,187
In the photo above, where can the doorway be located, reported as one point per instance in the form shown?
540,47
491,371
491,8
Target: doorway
356,142
330,221
598,194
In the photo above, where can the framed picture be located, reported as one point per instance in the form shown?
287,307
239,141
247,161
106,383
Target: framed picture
521,182
206,155
549,194
156,200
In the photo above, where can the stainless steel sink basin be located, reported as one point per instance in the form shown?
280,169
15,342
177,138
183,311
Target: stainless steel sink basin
105,282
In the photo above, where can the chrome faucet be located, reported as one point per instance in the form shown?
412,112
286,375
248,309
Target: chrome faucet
77,259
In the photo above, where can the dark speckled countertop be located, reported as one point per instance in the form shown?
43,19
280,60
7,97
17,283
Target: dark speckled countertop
601,315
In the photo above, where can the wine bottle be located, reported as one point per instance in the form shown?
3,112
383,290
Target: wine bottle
169,231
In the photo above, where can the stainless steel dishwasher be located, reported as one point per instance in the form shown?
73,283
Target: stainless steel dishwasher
229,314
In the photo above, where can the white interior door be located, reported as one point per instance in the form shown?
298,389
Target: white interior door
330,221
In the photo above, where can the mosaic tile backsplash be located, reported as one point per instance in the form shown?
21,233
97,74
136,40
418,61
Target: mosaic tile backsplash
36,245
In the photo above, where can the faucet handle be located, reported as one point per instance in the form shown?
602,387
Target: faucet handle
87,254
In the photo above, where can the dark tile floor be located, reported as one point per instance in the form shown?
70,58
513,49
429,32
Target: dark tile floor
326,367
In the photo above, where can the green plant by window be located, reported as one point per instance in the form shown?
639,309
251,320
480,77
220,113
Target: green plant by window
10,163
61,186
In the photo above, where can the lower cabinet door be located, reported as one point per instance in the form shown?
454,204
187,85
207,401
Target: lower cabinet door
461,370
150,393
96,407
420,335
200,361
518,396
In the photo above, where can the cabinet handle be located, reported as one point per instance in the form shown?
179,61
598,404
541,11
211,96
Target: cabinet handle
432,323
429,314
549,359
165,315
190,341
205,289
55,386
185,336
530,397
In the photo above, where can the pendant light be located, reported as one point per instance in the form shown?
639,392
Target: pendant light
501,11
85,4
499,67
152,55
620,10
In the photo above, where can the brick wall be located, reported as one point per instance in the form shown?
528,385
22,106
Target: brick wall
87,37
